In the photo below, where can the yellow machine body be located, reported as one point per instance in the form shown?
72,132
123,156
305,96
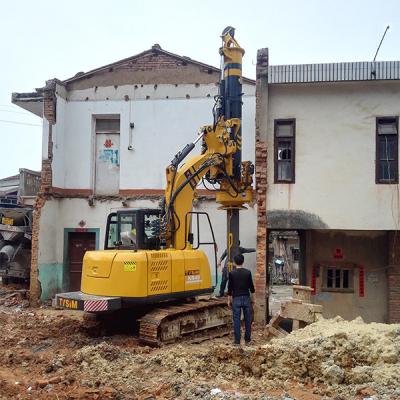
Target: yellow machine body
141,275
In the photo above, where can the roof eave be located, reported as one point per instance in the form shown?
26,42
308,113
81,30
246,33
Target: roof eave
32,102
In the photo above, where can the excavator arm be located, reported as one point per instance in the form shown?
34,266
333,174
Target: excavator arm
182,181
216,161
220,161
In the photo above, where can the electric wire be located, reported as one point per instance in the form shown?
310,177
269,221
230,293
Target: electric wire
18,123
16,112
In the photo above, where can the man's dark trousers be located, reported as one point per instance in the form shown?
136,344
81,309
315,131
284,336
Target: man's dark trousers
240,303
224,281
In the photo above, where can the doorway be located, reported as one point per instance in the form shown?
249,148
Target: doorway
78,244
107,155
286,252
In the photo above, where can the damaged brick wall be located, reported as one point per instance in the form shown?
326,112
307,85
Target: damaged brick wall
151,61
394,278
154,66
49,112
261,188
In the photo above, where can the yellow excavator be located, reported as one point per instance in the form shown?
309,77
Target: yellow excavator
152,260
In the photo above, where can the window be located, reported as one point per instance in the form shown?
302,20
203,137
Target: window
111,232
151,228
127,229
338,279
107,125
284,149
127,223
387,150
296,254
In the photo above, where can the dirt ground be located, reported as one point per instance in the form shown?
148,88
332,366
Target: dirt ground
53,354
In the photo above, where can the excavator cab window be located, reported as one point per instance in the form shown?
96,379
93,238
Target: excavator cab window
111,232
151,230
127,230
133,230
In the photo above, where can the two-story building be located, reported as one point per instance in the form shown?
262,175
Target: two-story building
327,167
108,136
325,139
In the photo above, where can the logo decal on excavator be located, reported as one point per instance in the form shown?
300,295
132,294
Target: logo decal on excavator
67,303
192,272
193,276
129,266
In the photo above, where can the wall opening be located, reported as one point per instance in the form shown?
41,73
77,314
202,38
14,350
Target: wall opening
107,159
285,266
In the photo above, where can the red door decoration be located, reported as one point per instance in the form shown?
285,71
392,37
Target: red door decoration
361,281
314,280
108,143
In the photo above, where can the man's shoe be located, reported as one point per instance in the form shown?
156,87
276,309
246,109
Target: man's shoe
248,342
220,295
236,344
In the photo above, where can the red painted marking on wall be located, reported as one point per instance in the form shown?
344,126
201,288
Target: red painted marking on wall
361,281
338,253
108,143
314,280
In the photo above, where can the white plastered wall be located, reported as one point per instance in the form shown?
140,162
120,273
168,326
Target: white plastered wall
335,153
70,212
50,240
163,126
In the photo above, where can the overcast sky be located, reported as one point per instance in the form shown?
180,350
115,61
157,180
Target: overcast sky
46,39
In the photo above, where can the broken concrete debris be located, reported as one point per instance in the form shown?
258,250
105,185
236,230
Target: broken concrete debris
298,309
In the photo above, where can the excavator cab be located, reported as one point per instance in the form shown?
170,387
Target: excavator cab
133,229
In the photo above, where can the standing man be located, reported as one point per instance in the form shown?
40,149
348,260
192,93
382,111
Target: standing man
241,297
224,279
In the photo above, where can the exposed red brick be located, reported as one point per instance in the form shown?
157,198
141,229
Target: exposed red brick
49,112
394,278
152,61
261,190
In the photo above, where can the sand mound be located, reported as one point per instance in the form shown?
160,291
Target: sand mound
341,354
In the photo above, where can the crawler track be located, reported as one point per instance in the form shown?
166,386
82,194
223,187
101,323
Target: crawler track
171,323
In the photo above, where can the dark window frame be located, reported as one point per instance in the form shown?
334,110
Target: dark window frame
292,139
378,180
107,130
334,287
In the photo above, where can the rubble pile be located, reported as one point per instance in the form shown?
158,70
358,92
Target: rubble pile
338,351
48,353
344,356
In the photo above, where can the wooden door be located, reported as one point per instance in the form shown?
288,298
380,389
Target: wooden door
78,244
